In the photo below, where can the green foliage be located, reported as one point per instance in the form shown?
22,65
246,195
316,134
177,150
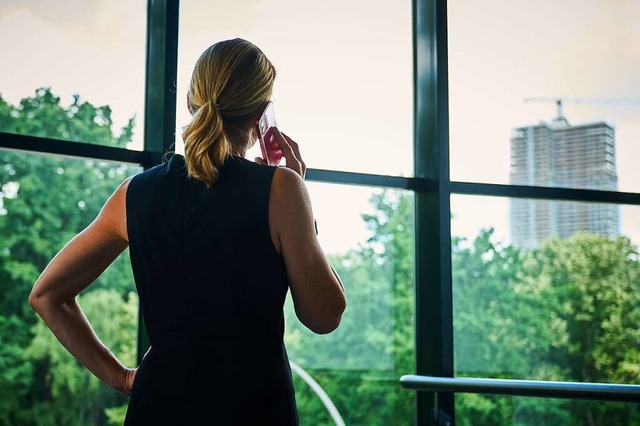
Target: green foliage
568,310
114,320
16,375
116,415
44,202
359,364
43,115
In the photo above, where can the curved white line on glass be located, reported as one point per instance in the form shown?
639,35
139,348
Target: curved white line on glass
328,404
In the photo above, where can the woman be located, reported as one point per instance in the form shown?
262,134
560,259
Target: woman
215,243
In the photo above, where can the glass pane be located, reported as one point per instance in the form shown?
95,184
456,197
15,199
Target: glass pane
54,52
473,409
44,202
558,302
344,86
509,64
370,244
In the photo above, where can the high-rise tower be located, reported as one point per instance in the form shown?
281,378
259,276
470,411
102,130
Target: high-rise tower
558,154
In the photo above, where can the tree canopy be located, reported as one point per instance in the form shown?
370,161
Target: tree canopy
44,201
567,310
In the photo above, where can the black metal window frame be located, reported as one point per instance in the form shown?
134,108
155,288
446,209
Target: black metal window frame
431,183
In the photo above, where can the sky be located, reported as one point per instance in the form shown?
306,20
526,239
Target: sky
502,53
344,85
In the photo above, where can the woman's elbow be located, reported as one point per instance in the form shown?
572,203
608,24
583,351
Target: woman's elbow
325,327
35,301
330,322
38,301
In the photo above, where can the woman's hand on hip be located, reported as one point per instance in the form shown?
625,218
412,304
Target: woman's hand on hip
125,383
127,377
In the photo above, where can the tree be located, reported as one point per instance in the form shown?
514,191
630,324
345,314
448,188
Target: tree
567,311
44,202
591,285
359,364
74,395
553,313
498,332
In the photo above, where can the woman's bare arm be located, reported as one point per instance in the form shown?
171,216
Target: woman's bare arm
73,269
317,292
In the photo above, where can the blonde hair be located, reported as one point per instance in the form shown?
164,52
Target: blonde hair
230,81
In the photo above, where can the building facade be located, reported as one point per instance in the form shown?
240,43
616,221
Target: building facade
558,154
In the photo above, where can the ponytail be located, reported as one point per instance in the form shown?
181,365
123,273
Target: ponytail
205,144
230,81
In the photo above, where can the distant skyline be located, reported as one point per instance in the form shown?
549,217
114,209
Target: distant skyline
344,87
507,50
562,155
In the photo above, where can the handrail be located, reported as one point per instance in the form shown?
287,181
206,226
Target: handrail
315,387
535,388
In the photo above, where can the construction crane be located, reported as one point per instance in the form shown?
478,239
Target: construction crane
560,100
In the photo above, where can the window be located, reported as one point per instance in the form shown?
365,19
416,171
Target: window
44,202
503,53
541,302
345,93
359,364
68,54
344,84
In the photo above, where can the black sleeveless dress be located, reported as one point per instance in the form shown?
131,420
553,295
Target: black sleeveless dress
212,288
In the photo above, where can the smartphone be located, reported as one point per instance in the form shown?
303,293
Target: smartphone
270,149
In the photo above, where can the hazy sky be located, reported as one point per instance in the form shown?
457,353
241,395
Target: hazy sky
344,86
503,51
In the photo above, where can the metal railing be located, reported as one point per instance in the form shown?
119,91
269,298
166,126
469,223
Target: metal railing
533,388
510,387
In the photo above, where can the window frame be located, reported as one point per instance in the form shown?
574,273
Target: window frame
431,183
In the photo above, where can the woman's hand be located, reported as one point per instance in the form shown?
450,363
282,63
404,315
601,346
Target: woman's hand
125,384
290,151
128,376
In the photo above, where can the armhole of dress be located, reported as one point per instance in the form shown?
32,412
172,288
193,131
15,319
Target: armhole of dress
268,227
128,211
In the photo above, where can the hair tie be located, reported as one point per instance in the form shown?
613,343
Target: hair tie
215,104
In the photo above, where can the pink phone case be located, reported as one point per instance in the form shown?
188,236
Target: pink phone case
270,149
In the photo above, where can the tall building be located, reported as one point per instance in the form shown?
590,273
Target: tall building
558,154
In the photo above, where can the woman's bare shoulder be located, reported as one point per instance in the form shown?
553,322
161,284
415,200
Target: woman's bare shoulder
287,183
113,215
